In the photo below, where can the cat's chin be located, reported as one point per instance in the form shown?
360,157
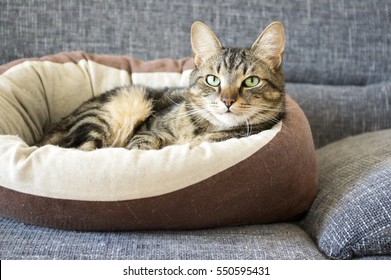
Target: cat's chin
228,120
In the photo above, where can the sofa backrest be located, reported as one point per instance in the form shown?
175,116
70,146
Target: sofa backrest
328,42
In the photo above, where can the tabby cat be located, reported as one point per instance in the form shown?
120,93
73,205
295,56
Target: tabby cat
233,92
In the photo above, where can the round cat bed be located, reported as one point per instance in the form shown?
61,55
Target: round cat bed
267,177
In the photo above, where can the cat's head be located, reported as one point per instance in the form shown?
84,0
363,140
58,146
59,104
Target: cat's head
233,86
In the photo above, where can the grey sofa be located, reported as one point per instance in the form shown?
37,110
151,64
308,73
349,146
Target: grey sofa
337,67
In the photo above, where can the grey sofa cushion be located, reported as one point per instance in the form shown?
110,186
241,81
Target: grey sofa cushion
275,241
351,216
335,112
328,42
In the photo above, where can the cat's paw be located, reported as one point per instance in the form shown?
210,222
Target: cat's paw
144,143
197,141
139,146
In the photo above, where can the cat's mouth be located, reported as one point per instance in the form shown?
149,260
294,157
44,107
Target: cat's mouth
230,118
231,111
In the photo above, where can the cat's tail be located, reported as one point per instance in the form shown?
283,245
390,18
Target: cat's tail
127,110
108,120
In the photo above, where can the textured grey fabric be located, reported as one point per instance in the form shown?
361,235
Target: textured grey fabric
351,216
288,241
328,42
335,112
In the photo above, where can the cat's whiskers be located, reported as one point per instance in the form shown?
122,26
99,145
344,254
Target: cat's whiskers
259,108
249,127
190,113
260,116
195,115
172,100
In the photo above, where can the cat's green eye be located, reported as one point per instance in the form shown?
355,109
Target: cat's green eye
251,81
212,80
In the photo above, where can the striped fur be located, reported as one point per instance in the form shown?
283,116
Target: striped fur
232,93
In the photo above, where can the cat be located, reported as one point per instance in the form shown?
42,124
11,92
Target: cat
233,92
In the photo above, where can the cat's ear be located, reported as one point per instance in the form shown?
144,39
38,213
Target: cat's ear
203,42
270,44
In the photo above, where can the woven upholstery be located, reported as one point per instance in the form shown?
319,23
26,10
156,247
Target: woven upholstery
328,42
351,216
336,112
288,241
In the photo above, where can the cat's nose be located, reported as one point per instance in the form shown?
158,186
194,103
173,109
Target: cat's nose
228,101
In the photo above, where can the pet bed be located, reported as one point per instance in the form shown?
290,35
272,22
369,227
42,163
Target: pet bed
267,177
